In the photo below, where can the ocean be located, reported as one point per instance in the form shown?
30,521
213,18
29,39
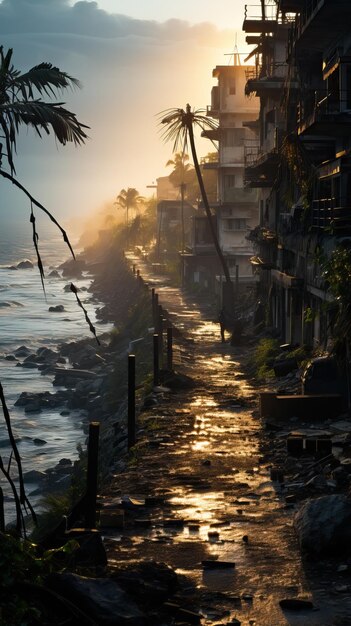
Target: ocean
25,320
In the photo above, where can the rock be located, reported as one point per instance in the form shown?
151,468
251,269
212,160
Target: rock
33,407
65,462
323,524
318,482
39,442
34,476
10,357
296,604
54,274
25,265
59,308
100,598
22,351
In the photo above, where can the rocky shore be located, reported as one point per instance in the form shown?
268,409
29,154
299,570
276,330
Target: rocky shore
147,517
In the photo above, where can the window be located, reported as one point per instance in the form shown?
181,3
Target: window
229,181
236,224
234,137
231,87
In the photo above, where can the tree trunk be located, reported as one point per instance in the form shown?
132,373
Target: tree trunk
206,204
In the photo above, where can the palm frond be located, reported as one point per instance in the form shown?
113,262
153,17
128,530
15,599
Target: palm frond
44,78
41,116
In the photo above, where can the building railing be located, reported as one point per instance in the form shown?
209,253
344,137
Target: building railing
331,214
254,12
269,71
317,103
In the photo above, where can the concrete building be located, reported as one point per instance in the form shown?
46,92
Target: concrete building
302,162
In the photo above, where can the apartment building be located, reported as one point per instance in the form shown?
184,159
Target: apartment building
301,166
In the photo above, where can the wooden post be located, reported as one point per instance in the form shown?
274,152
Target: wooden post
170,349
156,359
92,474
160,333
155,310
138,273
134,268
131,400
2,513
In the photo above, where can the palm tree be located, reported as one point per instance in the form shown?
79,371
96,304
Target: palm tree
179,177
129,199
21,104
180,129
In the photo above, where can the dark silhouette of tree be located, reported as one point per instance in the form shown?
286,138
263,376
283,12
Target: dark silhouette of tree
129,199
180,129
21,104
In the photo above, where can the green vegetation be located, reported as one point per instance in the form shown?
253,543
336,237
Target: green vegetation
266,351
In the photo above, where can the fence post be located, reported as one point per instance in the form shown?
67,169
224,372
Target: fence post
160,333
2,513
155,310
131,400
156,359
92,474
169,349
134,268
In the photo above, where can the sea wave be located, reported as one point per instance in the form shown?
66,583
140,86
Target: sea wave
10,304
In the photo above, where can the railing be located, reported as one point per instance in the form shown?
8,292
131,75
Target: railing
252,154
316,103
331,214
254,12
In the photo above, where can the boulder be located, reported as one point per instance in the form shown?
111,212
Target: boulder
22,351
54,274
323,524
25,265
59,308
100,598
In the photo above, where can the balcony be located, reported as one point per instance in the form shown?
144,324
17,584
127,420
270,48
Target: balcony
255,22
260,167
318,23
331,214
324,113
212,110
266,81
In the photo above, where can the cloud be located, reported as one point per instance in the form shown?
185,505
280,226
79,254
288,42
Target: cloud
86,18
130,70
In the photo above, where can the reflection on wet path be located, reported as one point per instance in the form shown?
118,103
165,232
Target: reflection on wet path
204,456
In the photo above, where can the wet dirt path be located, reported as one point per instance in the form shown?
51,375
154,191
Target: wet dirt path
202,458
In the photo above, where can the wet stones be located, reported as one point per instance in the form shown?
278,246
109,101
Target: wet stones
323,524
100,598
296,604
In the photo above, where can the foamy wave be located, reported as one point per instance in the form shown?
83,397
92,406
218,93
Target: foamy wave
10,304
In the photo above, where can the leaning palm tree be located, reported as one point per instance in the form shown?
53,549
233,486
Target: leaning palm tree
21,104
129,199
180,130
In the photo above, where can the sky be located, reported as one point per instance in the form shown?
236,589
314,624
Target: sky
134,60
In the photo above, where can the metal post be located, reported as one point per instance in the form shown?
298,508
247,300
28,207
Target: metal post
156,359
169,349
92,474
131,400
